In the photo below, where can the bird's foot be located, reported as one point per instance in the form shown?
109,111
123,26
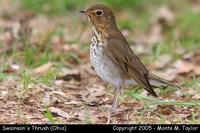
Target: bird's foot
110,111
108,118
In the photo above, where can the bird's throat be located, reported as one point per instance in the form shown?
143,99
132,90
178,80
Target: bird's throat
97,34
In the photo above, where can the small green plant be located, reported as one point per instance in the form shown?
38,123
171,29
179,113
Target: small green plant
167,90
193,83
4,66
48,77
25,80
168,48
49,116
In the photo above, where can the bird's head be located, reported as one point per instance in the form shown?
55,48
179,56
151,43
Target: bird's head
101,16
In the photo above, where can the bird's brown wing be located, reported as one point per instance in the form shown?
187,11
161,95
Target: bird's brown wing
120,51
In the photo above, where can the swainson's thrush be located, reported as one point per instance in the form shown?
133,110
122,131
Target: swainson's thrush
113,59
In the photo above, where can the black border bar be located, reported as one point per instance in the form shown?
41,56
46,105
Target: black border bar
116,128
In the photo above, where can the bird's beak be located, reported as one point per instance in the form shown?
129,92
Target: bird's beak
86,12
82,11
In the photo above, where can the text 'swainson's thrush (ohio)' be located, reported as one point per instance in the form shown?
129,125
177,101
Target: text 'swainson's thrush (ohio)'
113,59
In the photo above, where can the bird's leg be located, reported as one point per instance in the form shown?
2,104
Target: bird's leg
112,109
116,95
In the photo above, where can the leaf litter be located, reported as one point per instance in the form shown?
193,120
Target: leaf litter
77,95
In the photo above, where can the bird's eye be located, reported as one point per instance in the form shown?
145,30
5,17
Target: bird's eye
99,13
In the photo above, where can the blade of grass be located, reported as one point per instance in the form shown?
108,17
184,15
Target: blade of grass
49,115
157,101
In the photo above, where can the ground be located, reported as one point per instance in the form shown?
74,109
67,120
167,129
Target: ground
46,75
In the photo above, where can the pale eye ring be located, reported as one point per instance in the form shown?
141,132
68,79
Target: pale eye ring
99,13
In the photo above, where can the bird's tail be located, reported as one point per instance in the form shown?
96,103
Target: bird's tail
157,81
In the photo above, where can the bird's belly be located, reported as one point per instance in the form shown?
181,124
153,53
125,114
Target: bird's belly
104,66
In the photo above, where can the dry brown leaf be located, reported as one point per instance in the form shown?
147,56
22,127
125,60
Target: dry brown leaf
187,67
3,94
43,69
59,82
73,102
183,67
91,97
197,69
196,95
69,74
58,92
195,6
59,112
162,61
46,100
166,111
71,47
169,74
71,86
15,66
163,18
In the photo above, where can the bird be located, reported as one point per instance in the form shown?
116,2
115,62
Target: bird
112,57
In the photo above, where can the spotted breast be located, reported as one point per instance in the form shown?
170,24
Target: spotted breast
104,66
